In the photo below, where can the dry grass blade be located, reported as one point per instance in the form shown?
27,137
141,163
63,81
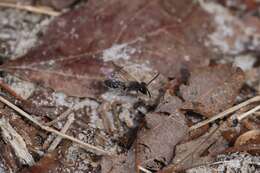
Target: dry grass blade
231,162
61,117
225,113
48,129
39,10
57,140
248,113
143,169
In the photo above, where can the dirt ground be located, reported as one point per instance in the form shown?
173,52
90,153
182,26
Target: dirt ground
109,121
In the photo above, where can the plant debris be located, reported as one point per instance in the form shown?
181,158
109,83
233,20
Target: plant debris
212,89
84,62
74,86
16,141
155,142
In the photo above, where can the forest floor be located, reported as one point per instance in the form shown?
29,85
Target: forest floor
112,86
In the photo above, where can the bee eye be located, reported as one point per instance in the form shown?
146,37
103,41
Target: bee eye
143,90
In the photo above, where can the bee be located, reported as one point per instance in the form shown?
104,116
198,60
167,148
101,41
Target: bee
131,83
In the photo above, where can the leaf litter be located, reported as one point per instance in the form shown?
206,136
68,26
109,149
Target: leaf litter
64,57
156,141
212,89
74,57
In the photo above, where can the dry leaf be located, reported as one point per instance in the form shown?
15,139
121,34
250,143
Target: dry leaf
251,123
212,89
155,144
123,163
154,34
46,164
191,153
250,137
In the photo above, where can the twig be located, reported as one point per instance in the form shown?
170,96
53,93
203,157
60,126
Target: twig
10,91
248,113
39,10
69,110
48,141
232,162
17,142
217,163
241,148
225,113
48,129
58,139
61,117
143,169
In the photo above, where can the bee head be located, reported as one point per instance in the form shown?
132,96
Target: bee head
143,89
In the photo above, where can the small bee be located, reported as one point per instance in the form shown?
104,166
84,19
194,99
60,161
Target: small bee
129,85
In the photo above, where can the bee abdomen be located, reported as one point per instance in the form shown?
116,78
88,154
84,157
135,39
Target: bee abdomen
112,83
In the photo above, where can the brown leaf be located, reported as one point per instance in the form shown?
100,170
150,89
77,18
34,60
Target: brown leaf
212,89
47,163
155,144
75,51
250,137
251,123
192,153
123,163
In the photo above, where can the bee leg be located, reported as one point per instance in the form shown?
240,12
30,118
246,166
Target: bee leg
149,93
125,91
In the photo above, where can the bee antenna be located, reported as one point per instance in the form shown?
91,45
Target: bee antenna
153,79
149,93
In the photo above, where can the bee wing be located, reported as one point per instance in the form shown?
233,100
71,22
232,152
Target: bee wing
123,73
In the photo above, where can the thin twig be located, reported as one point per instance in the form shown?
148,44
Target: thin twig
225,113
248,113
69,110
48,141
49,129
143,169
232,162
242,148
61,117
39,10
58,139
8,89
217,163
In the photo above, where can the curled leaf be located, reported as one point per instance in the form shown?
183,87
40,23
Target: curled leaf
250,137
